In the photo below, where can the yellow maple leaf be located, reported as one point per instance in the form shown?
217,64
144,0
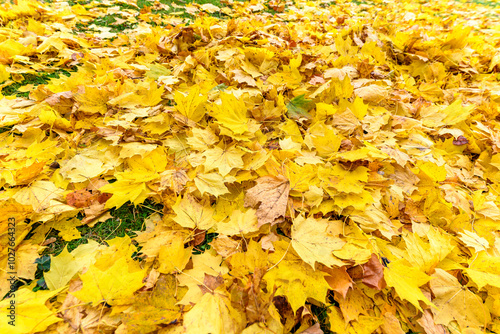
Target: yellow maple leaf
435,172
65,266
208,263
294,279
82,167
239,223
93,100
344,180
231,113
325,140
10,48
192,214
427,255
202,139
314,240
4,74
484,269
407,281
244,263
223,158
125,190
455,302
212,183
113,285
471,239
172,256
40,195
213,314
31,312
301,177
191,105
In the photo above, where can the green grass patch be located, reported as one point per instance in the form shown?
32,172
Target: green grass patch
81,2
40,78
489,3
172,7
175,7
321,313
107,21
144,3
5,128
43,265
125,220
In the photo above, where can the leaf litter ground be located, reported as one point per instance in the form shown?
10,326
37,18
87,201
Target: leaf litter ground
250,167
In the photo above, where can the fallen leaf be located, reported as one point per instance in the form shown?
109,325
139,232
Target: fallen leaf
407,281
339,280
455,302
314,241
373,273
271,194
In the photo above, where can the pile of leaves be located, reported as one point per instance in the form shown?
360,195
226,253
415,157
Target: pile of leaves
322,166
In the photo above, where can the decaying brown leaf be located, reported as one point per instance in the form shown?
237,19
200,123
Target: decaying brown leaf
373,273
270,195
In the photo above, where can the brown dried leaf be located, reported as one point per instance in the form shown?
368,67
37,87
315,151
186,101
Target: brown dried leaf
372,93
374,273
314,329
427,323
49,241
60,99
95,213
272,194
80,198
242,77
339,280
225,246
198,238
211,283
